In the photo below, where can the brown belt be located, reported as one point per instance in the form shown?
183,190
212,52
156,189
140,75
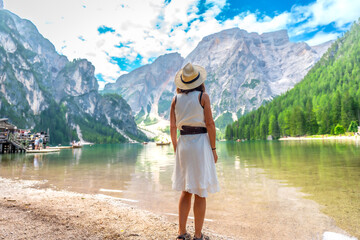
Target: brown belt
188,130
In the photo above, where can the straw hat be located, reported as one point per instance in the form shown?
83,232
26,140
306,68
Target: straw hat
190,77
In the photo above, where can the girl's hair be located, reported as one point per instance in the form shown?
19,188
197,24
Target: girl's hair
200,88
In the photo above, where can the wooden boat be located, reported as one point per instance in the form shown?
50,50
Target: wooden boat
77,146
162,143
60,147
43,151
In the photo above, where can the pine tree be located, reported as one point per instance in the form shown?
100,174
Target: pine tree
228,132
274,130
336,108
347,109
353,127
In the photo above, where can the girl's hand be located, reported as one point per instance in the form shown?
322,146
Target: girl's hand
215,156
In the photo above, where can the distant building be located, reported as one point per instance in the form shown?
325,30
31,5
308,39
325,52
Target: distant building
5,125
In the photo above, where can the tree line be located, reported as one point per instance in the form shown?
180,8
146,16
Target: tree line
326,101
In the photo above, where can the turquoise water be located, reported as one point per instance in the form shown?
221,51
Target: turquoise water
329,172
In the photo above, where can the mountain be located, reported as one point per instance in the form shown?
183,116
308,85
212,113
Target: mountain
245,70
248,69
326,100
150,88
41,89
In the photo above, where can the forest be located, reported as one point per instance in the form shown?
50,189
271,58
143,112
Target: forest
326,101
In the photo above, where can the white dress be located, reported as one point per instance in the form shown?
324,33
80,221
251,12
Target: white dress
194,170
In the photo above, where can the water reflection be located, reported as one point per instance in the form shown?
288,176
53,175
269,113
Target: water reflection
38,161
143,173
328,171
76,155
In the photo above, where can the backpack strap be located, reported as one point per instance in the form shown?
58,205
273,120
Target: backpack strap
200,99
175,98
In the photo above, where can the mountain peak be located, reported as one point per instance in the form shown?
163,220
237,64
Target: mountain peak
225,33
282,33
167,57
277,38
280,36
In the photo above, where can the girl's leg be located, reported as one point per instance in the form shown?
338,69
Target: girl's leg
184,209
199,214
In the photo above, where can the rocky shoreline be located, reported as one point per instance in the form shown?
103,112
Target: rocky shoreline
29,211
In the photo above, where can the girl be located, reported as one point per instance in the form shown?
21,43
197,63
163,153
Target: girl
194,171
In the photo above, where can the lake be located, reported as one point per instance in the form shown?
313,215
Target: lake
280,182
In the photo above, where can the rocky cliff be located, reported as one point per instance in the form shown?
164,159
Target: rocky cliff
35,80
149,89
244,71
247,69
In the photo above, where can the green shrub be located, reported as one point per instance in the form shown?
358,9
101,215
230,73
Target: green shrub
339,129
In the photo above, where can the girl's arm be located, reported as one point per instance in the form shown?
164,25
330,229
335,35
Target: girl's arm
173,129
210,124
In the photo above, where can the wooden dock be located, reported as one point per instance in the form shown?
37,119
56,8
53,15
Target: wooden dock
13,140
9,144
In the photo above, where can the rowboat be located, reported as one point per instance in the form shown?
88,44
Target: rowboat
162,143
60,147
77,146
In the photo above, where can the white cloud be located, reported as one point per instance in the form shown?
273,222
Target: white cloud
323,12
322,37
151,27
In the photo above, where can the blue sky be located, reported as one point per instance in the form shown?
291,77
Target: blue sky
118,36
264,7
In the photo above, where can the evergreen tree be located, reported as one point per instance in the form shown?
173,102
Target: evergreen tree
347,109
311,123
264,127
299,119
228,132
336,108
353,127
325,124
274,130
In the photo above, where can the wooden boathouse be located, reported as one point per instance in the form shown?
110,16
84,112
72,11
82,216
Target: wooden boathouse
10,139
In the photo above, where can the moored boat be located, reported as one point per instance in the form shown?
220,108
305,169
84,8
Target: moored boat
77,146
42,151
162,143
59,147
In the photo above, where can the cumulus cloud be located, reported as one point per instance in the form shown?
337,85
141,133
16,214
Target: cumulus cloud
122,29
322,37
323,12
